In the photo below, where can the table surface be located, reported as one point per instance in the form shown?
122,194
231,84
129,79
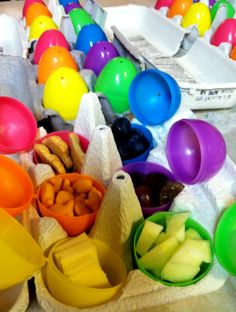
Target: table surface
223,300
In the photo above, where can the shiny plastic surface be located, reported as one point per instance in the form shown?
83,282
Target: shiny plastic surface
80,18
16,188
198,14
99,55
35,10
114,82
88,36
39,25
72,225
18,126
145,168
63,92
49,38
195,149
53,58
21,256
154,97
226,32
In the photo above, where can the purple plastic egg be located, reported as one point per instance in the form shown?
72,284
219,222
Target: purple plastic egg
195,149
72,6
146,168
99,55
226,32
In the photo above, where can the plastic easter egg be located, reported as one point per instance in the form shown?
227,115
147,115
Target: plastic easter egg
226,32
39,25
225,239
114,82
233,53
88,36
154,97
47,40
65,2
195,150
21,256
80,18
34,11
18,126
71,6
63,92
179,7
52,59
99,55
230,9
163,3
198,14
28,3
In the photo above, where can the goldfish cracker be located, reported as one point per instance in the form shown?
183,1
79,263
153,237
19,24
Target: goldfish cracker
48,158
67,187
59,148
63,197
94,199
47,194
80,207
76,152
83,185
57,183
65,210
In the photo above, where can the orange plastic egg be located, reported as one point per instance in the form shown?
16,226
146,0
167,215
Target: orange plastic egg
179,7
53,58
35,10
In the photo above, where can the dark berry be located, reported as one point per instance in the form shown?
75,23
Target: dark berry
144,196
120,128
123,151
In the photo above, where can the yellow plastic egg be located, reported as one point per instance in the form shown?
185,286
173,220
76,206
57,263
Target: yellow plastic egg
198,14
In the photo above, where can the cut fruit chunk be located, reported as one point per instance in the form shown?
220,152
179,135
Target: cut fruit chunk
176,221
158,256
179,272
175,224
149,234
192,252
192,234
160,238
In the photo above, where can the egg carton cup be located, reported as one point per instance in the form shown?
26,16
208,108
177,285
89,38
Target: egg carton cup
62,19
18,81
205,201
136,20
13,41
139,290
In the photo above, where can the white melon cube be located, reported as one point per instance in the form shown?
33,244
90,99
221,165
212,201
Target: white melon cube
158,256
175,222
192,252
147,237
192,234
179,272
161,238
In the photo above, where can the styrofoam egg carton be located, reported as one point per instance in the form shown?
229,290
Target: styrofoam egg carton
12,40
205,201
